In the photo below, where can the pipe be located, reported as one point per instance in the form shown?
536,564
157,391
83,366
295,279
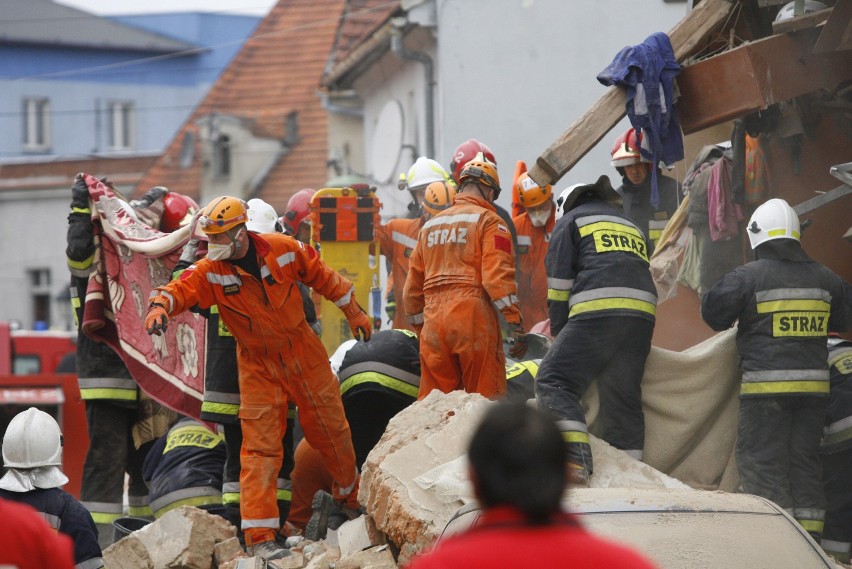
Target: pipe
325,101
398,48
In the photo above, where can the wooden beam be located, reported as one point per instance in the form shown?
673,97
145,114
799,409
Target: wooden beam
690,33
754,76
837,33
802,22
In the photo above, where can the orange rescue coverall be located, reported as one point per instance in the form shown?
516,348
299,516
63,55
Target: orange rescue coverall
462,264
280,359
532,275
397,239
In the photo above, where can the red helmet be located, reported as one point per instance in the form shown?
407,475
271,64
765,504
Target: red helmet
178,210
625,151
467,151
298,208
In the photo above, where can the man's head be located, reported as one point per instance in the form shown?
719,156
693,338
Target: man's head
262,217
296,220
627,159
178,210
773,220
479,177
574,195
467,151
423,172
517,458
537,200
223,221
437,197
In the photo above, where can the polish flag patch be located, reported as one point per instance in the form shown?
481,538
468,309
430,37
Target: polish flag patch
503,228
503,243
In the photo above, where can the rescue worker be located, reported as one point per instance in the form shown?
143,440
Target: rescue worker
377,379
837,453
32,453
785,304
460,271
295,219
26,540
221,401
534,227
517,470
251,277
184,467
636,192
427,182
112,398
602,313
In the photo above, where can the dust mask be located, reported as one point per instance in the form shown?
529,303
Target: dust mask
220,252
539,217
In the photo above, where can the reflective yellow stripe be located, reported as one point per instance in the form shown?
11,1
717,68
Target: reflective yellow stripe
782,232
575,437
192,436
815,526
106,519
613,304
609,226
121,394
558,295
139,511
195,501
81,209
229,498
519,368
374,377
284,495
82,265
788,305
769,387
220,408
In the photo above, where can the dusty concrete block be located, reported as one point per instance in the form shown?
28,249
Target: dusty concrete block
379,557
227,550
295,561
320,561
251,563
127,553
353,536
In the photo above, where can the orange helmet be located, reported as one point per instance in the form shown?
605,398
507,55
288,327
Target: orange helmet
467,151
223,214
178,211
625,151
438,197
481,170
530,193
298,208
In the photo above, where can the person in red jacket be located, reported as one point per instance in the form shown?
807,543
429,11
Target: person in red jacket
253,278
460,274
517,468
534,227
26,540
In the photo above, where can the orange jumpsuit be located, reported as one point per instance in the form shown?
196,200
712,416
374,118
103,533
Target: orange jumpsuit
460,271
397,239
532,275
280,359
309,475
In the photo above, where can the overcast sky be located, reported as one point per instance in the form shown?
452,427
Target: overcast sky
110,7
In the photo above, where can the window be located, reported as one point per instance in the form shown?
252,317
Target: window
122,125
40,291
36,123
222,156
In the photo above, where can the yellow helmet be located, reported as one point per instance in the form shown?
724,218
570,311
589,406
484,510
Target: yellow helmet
530,193
438,197
481,170
223,214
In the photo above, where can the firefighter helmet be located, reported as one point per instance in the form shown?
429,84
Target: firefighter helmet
336,359
481,170
32,440
774,219
178,210
298,209
223,214
625,151
423,172
438,197
262,217
602,188
530,194
467,151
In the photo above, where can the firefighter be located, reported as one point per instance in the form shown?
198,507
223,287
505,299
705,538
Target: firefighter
648,211
113,400
184,467
837,452
251,277
785,304
430,190
295,219
460,271
221,387
602,313
534,227
32,453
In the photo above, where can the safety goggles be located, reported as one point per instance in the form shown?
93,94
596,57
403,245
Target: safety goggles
206,222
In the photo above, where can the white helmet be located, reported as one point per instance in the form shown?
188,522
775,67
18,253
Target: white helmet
789,9
261,217
336,359
774,219
603,189
33,439
423,172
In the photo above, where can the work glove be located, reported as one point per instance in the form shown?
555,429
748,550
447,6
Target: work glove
150,197
157,319
79,193
190,250
358,321
517,341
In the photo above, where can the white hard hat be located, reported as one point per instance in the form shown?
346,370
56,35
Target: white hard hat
336,359
423,172
774,219
33,439
602,188
262,217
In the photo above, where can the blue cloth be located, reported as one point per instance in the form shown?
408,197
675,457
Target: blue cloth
647,71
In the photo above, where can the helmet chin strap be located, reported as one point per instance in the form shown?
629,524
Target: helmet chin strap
234,241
